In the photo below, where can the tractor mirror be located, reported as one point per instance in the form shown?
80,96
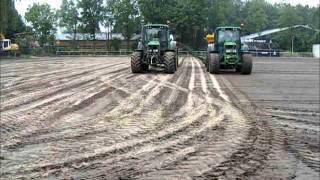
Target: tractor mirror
171,37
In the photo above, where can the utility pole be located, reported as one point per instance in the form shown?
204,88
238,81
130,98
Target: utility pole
292,41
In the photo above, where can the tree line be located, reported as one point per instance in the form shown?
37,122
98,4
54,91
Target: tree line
190,19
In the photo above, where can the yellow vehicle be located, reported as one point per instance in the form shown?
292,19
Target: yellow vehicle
7,48
210,38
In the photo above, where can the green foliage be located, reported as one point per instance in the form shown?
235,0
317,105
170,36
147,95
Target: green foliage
158,11
43,21
257,19
10,21
190,19
91,16
115,43
69,16
289,16
126,15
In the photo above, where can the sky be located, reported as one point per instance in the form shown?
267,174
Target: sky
22,5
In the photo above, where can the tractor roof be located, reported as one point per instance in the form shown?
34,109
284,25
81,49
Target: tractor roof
156,25
228,27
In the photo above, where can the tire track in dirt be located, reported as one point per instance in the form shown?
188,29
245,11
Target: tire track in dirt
76,101
49,105
144,126
203,154
42,81
279,142
56,87
24,76
184,138
301,128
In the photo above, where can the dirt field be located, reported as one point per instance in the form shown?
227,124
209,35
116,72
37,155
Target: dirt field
91,118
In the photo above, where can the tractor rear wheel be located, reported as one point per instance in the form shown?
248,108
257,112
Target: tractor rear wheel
207,62
177,61
246,68
213,63
136,62
169,62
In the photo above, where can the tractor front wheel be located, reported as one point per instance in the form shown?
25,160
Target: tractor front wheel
213,63
238,68
246,68
169,62
136,62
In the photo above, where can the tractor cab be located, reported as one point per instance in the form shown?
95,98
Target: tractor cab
155,36
5,44
228,39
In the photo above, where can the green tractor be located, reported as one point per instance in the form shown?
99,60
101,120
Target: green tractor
156,48
225,51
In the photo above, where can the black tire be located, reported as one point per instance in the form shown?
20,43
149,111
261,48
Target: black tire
145,67
177,59
169,62
213,63
238,68
246,68
136,62
177,62
207,62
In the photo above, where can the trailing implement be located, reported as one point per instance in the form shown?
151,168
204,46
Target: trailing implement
225,51
156,48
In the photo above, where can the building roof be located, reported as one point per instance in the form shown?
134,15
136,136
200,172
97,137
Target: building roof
99,36
271,31
156,25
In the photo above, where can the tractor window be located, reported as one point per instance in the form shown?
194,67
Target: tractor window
228,35
5,44
155,34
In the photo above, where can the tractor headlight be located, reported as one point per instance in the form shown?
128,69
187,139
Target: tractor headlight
153,50
231,51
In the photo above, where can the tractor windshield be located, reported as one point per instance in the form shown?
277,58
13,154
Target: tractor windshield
5,44
155,34
228,35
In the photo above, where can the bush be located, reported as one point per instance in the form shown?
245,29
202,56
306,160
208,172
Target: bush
115,43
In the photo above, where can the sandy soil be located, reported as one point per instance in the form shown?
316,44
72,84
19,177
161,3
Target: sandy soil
91,118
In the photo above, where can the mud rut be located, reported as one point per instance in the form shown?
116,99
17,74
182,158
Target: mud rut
92,118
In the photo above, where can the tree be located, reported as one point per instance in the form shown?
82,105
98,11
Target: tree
126,17
288,18
157,11
108,20
43,21
91,16
69,17
190,18
256,19
10,21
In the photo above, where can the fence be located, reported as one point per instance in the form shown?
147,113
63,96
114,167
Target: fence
58,51
91,52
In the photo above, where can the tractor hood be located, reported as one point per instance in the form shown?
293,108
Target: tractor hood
153,43
230,43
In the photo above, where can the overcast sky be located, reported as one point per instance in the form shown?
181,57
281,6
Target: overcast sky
22,6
